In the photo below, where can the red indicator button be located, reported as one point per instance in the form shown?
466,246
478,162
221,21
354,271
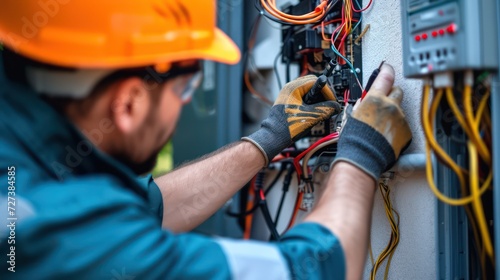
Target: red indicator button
434,33
424,36
441,32
417,38
452,28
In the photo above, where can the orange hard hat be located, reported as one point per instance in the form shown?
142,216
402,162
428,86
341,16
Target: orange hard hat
115,33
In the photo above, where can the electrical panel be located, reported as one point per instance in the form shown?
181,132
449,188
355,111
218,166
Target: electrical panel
448,36
306,46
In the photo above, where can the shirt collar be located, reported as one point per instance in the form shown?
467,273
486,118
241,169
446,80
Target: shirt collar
58,146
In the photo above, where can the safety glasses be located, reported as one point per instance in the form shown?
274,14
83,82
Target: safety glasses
152,78
192,84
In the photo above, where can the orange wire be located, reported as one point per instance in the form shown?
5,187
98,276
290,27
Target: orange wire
311,17
250,205
284,16
252,90
246,74
296,208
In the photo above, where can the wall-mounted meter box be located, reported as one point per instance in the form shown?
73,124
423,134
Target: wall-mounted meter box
444,35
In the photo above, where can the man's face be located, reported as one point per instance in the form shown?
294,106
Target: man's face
158,127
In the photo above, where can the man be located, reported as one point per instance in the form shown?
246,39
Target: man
83,113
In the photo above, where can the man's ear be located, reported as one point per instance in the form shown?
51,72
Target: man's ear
130,105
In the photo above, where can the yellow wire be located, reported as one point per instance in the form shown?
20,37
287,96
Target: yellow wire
392,253
429,135
474,137
471,126
477,204
389,250
480,109
456,111
371,252
467,208
430,177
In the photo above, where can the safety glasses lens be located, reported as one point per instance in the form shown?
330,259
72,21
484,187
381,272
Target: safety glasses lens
191,86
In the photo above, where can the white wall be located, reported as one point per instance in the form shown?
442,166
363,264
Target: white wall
416,255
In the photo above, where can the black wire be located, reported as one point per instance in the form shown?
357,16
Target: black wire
286,186
259,182
280,206
269,221
268,189
241,215
288,71
275,67
285,44
251,210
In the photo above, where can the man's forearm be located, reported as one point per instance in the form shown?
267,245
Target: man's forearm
192,193
345,208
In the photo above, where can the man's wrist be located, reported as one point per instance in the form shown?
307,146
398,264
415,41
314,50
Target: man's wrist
355,175
268,142
251,147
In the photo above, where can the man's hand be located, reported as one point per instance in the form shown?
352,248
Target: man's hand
290,118
377,132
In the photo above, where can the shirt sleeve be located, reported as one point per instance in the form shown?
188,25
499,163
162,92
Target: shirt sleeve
307,251
95,229
313,252
155,198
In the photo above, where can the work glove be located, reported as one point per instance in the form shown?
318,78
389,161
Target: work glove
290,118
376,132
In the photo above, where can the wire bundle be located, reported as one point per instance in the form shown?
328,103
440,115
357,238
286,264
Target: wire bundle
343,30
390,249
474,123
272,12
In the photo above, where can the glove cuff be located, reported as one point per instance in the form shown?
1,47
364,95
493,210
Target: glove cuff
266,159
365,148
266,143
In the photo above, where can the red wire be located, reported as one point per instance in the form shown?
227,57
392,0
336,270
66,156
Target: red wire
363,94
262,196
347,95
333,42
296,161
362,10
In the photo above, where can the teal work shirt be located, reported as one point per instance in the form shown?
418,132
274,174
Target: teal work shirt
80,214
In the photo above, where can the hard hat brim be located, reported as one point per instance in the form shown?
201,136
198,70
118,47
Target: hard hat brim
221,49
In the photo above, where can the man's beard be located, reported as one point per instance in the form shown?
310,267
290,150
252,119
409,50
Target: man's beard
142,167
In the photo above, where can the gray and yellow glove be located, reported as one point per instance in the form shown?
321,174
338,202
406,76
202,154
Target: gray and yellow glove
290,118
376,132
